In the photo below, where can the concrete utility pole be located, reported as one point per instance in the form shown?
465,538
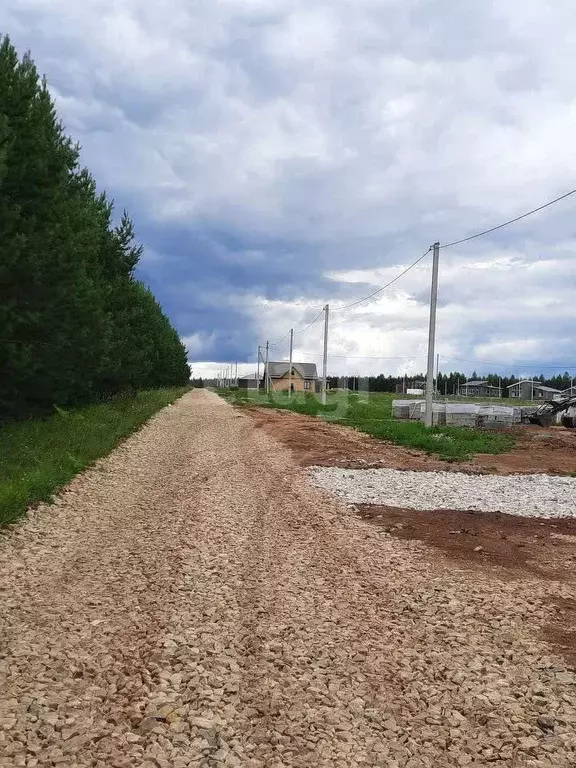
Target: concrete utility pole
258,370
432,335
325,356
290,369
266,375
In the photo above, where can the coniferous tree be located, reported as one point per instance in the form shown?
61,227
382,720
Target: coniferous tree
75,324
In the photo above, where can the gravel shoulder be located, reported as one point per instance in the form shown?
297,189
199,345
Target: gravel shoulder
522,495
193,601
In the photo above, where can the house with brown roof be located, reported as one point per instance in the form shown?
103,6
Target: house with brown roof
304,377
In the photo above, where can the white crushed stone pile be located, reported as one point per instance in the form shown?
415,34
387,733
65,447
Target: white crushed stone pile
524,495
193,601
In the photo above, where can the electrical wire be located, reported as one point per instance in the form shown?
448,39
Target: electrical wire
421,258
362,357
318,316
511,221
383,288
512,365
277,343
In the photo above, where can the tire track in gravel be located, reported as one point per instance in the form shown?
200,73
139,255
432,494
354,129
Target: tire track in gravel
193,601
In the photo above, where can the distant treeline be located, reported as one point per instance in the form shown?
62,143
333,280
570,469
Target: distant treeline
75,324
448,383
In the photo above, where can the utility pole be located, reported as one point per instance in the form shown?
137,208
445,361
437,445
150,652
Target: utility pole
266,376
290,369
236,382
432,335
325,356
258,370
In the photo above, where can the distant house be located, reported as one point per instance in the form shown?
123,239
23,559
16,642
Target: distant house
480,389
304,377
249,382
533,390
570,392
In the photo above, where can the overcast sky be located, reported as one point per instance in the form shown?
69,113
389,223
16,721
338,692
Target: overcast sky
279,154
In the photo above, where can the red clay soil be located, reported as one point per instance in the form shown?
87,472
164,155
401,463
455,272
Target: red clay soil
313,442
551,451
545,548
316,443
511,547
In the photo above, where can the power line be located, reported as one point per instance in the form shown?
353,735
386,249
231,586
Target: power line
383,288
318,316
511,221
277,343
528,364
363,357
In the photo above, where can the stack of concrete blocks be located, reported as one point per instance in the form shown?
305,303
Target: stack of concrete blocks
401,409
461,414
438,413
498,416
416,410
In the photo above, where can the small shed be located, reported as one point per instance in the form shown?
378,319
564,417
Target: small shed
249,382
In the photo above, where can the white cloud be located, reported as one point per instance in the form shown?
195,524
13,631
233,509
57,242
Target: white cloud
199,342
355,134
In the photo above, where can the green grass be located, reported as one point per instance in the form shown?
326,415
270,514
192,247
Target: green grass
372,413
39,456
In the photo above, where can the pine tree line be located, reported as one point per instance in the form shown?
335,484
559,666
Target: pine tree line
448,383
75,323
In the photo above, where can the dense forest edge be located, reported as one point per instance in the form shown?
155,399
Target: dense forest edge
76,325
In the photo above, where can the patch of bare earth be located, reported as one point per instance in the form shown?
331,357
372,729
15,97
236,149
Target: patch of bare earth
551,451
508,547
313,442
316,443
193,601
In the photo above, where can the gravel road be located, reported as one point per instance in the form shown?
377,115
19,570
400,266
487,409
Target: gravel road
193,601
524,495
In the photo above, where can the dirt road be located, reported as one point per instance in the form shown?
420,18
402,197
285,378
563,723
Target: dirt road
193,601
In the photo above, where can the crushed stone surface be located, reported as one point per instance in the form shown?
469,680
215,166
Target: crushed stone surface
193,601
525,495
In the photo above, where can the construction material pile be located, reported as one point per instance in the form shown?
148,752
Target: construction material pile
463,414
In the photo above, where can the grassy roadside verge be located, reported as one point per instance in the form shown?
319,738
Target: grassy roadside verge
39,456
373,414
